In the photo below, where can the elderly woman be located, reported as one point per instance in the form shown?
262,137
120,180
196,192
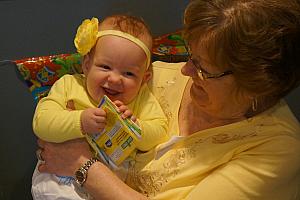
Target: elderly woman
232,137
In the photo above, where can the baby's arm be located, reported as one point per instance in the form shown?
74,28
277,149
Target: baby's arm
154,129
52,120
154,132
151,119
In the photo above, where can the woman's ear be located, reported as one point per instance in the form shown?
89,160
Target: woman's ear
86,64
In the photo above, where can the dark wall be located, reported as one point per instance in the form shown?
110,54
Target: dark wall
41,27
17,143
46,27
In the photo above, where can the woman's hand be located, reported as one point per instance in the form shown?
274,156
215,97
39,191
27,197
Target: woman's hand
64,158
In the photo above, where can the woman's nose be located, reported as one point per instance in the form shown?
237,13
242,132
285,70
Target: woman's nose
189,70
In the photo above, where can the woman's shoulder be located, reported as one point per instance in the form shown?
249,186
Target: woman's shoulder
276,130
163,71
281,118
167,85
167,66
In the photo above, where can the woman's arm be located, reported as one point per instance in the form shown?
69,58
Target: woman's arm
65,158
103,184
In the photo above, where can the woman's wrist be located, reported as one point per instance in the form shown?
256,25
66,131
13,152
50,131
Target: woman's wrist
102,182
82,159
81,173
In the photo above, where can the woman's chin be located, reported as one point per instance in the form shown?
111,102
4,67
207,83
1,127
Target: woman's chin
198,95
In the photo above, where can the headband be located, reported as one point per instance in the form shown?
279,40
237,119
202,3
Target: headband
87,35
128,37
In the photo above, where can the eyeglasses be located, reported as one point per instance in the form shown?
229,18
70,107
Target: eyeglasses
203,75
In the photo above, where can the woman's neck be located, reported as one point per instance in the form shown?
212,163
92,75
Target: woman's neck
191,119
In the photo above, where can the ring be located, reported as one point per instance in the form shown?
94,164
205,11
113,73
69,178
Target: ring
38,155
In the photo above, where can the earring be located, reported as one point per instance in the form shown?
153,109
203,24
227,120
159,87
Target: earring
254,104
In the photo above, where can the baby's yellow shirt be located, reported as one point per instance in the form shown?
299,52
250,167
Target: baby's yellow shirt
53,122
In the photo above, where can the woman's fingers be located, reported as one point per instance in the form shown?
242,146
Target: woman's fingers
41,143
42,167
63,158
39,154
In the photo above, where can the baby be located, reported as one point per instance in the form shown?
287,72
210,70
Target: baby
116,63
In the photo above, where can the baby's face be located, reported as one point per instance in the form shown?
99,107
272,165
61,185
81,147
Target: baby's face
116,68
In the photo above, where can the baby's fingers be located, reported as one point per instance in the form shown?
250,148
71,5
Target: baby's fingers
126,114
118,103
134,119
100,112
100,120
122,108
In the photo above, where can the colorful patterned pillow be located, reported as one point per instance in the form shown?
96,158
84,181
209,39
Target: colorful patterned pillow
39,73
169,48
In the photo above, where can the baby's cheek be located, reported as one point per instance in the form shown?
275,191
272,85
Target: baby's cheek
100,94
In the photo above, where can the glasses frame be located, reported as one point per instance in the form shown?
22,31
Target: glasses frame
202,74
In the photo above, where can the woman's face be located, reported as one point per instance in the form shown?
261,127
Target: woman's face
116,68
217,97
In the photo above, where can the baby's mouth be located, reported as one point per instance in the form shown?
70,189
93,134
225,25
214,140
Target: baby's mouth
110,92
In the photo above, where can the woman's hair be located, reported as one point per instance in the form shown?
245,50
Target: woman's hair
259,40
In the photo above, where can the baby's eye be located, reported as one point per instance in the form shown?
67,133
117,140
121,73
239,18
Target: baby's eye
104,67
130,74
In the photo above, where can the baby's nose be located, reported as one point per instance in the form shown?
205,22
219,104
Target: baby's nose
114,78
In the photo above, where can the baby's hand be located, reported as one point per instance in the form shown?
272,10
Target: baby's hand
122,108
93,120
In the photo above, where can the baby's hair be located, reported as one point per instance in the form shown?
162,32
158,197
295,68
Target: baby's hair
132,25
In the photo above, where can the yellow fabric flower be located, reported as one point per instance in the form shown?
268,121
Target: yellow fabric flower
86,36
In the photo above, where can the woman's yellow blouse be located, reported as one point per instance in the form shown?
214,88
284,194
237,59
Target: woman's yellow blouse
255,159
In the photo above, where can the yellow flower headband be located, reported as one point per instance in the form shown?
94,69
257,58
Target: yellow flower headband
87,35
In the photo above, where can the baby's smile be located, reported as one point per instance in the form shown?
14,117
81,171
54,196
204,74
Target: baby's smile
109,91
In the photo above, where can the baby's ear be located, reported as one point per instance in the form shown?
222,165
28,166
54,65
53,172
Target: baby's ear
147,76
86,63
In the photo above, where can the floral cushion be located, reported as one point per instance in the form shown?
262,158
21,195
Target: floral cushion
39,73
